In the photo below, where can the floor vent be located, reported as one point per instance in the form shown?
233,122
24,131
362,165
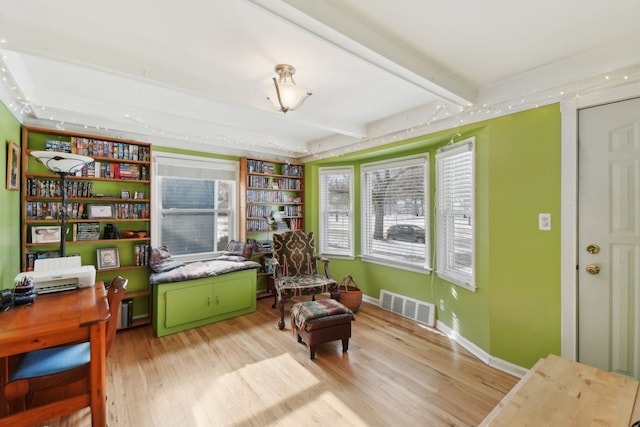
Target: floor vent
419,311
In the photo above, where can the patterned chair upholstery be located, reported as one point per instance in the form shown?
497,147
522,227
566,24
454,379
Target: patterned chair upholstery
296,269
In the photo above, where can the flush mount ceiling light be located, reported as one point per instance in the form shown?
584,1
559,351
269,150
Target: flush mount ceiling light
289,96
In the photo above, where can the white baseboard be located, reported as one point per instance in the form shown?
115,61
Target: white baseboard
502,365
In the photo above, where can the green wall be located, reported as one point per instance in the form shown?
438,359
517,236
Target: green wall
514,314
9,204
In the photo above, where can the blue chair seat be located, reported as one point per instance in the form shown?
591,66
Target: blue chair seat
49,361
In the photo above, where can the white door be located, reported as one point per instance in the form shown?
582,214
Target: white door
609,237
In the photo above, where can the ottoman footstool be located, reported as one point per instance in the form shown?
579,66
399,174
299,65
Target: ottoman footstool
321,321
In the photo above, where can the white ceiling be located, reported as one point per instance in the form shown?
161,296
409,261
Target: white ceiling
195,74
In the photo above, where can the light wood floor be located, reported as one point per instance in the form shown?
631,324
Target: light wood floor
246,372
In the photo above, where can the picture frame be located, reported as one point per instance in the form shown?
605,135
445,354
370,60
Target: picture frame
108,258
125,194
100,211
13,166
45,234
139,195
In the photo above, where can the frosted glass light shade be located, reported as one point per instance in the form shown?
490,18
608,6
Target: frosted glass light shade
288,96
62,162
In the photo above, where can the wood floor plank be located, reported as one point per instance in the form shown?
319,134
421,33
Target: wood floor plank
246,372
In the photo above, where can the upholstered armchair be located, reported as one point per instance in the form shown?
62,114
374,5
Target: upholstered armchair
295,259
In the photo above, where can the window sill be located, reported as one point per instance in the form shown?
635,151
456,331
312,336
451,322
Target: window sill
337,256
470,286
396,264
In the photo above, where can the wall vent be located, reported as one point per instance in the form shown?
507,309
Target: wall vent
420,311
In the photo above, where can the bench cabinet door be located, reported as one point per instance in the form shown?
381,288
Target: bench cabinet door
188,305
232,295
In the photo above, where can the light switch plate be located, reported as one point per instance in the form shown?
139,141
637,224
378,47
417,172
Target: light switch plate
544,221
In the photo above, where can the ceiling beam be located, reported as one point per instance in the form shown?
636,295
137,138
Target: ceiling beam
335,24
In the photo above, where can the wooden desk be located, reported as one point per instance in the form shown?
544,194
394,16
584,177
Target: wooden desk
560,392
52,320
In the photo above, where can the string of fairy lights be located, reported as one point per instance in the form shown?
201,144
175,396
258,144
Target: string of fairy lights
441,118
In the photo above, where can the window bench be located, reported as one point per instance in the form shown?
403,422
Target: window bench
178,306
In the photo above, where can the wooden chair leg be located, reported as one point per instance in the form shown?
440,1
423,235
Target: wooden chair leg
345,345
281,321
16,394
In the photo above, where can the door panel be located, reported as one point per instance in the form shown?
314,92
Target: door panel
609,217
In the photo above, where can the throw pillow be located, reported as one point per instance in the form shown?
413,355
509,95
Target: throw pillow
161,260
235,248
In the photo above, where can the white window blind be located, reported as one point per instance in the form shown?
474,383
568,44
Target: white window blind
455,191
195,205
336,211
395,214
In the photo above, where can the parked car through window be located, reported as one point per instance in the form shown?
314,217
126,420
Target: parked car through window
406,232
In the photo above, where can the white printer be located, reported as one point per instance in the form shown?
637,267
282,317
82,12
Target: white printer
59,274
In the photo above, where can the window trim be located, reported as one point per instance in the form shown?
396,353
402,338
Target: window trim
208,167
462,280
398,162
337,170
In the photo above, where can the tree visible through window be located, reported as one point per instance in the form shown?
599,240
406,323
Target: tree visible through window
394,214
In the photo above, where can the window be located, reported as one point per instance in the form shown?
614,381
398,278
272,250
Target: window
336,211
455,186
194,205
395,212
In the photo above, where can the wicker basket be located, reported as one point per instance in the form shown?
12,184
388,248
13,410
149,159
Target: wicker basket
349,294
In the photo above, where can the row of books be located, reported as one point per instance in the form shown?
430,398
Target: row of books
44,187
142,253
258,211
295,223
258,225
125,314
98,148
292,210
131,210
292,170
53,210
275,183
263,225
261,196
259,166
124,171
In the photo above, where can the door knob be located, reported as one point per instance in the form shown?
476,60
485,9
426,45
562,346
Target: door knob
593,269
593,249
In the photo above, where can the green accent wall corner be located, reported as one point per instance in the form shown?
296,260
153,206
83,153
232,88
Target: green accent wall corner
514,314
10,205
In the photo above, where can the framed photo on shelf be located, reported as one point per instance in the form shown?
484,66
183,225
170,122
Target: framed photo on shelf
125,194
45,234
13,166
139,195
108,258
100,211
